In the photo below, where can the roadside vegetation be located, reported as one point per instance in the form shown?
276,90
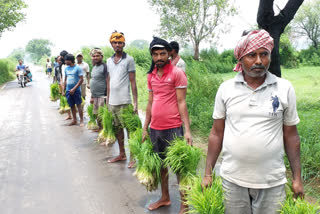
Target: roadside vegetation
7,67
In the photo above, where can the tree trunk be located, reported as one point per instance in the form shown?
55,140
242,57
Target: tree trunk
196,51
275,25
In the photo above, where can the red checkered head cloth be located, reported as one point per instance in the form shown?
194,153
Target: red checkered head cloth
254,40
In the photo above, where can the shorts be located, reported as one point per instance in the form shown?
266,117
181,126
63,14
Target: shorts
97,102
161,138
49,70
116,111
243,200
83,90
74,99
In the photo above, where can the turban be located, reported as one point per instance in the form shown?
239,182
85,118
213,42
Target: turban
117,37
96,51
254,40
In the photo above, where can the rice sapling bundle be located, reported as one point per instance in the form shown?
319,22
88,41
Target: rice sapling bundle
205,200
298,206
92,124
107,134
54,91
130,120
135,142
64,106
148,166
183,160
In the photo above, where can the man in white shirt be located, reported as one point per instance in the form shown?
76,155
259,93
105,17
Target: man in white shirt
255,120
176,60
86,74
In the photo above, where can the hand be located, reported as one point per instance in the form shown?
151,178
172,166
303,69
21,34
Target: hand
72,91
91,100
135,110
88,86
63,93
145,134
206,181
188,138
297,188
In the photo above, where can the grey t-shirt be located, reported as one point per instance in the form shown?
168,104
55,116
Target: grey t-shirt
119,79
98,85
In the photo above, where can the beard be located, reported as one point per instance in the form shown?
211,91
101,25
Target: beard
254,74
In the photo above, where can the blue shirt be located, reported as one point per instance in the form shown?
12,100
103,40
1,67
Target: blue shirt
55,64
73,76
21,67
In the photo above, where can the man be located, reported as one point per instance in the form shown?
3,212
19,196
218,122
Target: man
121,68
48,67
72,84
20,67
176,59
57,74
86,74
62,68
99,80
55,62
255,121
166,110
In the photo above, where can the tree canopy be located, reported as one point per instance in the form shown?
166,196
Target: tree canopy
192,20
307,21
11,13
17,54
38,48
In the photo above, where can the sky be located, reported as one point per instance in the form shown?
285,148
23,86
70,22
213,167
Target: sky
71,24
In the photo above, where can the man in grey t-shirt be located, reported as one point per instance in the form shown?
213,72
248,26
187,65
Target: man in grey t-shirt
121,68
99,79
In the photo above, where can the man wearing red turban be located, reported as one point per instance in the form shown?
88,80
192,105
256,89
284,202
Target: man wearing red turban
255,120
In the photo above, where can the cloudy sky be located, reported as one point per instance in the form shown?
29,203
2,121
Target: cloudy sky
70,24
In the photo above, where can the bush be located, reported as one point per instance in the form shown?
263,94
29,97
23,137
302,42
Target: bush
288,56
310,56
7,68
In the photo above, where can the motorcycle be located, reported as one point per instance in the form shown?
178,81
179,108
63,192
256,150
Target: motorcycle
22,78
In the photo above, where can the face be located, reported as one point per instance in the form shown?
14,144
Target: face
59,60
118,46
160,57
68,62
79,59
20,62
256,63
96,58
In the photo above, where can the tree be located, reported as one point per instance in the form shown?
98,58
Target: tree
11,14
307,21
17,54
275,25
140,44
38,48
192,20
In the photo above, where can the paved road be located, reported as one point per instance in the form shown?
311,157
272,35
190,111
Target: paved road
48,167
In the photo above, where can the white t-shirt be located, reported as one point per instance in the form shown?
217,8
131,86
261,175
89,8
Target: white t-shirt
181,64
85,68
49,65
253,149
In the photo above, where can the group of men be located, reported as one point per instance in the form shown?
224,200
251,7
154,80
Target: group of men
255,117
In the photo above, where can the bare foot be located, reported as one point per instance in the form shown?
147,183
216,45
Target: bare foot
81,124
183,208
132,164
72,123
118,158
68,118
159,204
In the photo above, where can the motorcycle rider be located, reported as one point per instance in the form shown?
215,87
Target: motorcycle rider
20,67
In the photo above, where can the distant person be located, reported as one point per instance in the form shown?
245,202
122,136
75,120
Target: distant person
176,59
122,75
72,84
55,64
20,67
86,74
166,109
255,120
62,67
57,74
98,83
48,67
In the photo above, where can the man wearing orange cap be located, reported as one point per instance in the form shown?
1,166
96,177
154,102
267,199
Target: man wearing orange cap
255,120
121,68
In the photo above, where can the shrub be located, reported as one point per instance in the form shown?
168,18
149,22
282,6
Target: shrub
7,68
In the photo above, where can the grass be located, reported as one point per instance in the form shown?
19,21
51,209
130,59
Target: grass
7,68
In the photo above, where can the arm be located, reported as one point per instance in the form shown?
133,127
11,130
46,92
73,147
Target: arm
214,149
132,77
64,85
183,110
148,116
292,147
108,89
